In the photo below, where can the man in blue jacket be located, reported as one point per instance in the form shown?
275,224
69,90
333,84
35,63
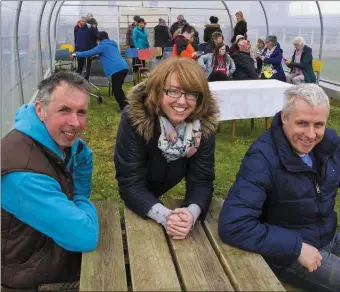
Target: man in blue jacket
115,67
47,218
282,203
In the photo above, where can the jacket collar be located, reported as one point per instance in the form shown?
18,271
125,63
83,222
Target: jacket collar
276,51
292,162
213,25
145,122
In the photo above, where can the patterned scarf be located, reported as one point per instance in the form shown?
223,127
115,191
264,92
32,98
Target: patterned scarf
181,141
268,69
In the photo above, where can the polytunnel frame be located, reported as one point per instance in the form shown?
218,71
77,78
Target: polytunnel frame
231,22
40,76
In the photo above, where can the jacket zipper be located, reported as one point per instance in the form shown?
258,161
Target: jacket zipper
317,188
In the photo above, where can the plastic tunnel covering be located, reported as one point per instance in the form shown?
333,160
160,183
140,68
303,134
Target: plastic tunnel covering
31,31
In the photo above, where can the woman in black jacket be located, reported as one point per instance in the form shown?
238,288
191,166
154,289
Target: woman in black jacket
162,35
211,28
240,27
167,133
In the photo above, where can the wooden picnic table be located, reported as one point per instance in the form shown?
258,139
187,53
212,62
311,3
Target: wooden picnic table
136,254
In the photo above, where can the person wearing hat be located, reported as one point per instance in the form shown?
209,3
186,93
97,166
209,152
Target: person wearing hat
162,35
129,41
234,48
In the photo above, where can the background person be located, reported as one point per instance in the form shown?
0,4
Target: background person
216,38
240,27
178,24
86,40
211,28
182,43
245,69
257,52
234,48
272,60
115,67
140,37
131,27
219,61
301,64
167,133
129,39
80,24
282,202
162,35
47,218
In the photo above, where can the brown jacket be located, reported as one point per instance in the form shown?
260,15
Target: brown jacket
28,257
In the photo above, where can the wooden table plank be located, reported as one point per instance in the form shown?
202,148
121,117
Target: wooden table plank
104,268
247,271
198,265
151,265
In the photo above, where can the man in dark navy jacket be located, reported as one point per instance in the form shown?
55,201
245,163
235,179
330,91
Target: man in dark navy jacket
87,37
282,203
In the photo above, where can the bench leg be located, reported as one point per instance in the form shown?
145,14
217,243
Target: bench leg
267,122
233,129
252,124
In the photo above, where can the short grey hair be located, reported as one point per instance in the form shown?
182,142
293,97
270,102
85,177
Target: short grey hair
272,39
309,92
48,85
300,40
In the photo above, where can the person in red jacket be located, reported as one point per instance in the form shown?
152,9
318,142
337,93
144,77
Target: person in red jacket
182,46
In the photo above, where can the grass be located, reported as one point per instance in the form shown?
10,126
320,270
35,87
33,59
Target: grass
103,121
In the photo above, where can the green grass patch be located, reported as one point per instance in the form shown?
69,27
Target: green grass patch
103,121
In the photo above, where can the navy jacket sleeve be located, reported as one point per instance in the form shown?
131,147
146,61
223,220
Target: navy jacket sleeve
239,221
201,175
131,160
276,59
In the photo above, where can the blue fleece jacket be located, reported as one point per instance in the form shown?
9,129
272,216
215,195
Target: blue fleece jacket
109,56
140,38
37,199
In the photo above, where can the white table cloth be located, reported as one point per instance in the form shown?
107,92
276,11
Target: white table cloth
249,98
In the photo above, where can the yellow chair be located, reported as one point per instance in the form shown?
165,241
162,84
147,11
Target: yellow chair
67,46
317,68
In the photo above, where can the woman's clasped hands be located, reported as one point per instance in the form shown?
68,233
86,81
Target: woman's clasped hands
179,223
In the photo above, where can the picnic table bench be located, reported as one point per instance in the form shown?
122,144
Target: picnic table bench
137,254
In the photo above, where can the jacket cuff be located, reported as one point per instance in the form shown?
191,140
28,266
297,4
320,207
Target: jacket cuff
158,212
195,210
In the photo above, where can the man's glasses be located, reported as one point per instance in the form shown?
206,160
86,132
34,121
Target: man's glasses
175,93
